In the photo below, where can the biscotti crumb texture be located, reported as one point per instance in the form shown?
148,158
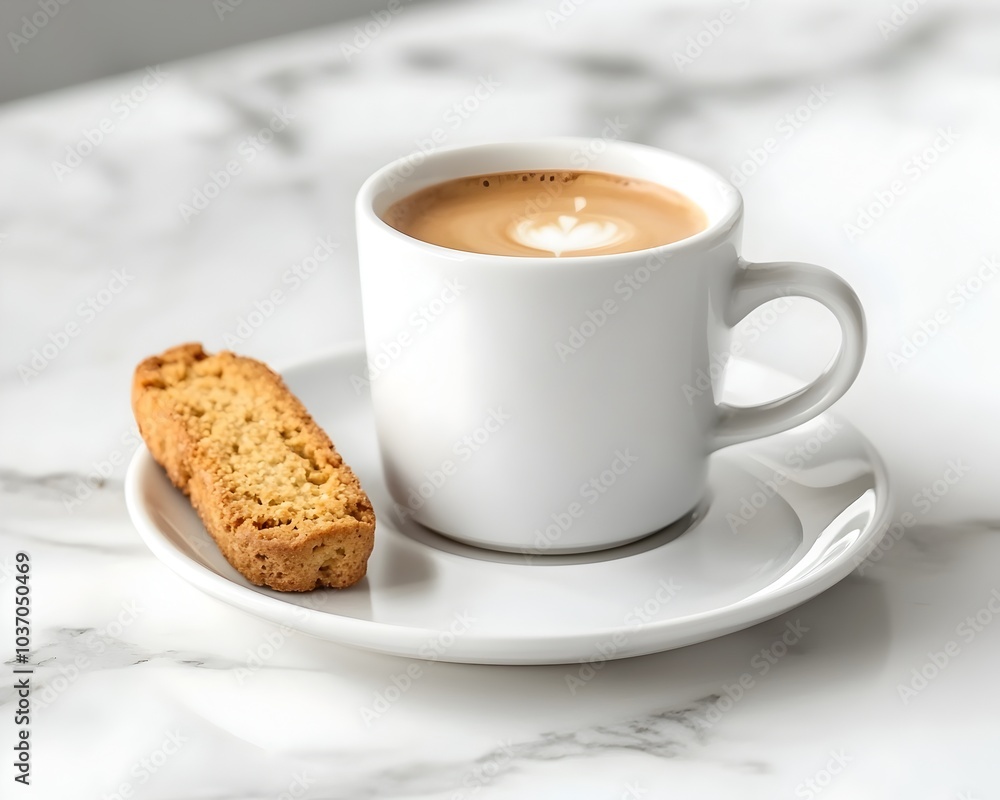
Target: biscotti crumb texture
265,479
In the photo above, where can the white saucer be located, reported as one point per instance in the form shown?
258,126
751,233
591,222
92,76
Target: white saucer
426,596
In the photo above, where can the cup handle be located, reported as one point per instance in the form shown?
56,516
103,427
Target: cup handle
756,285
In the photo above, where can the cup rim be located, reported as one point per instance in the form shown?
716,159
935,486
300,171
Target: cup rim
715,232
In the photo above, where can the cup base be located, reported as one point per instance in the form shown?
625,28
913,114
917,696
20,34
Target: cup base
468,548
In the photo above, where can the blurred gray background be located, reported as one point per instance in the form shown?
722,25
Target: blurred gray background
96,38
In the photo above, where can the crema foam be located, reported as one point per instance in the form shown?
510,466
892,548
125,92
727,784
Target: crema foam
554,213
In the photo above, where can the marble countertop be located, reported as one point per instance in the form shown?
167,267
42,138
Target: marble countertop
161,206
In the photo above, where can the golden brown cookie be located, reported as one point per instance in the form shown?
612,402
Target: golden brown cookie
267,482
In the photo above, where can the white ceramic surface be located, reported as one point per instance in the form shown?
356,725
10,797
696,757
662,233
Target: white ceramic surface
510,392
772,532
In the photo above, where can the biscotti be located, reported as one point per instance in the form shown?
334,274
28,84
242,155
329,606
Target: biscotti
267,482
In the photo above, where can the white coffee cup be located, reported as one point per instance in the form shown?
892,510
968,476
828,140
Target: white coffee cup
550,404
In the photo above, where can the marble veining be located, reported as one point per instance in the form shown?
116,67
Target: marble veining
144,687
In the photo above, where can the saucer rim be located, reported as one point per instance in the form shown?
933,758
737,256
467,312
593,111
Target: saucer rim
406,640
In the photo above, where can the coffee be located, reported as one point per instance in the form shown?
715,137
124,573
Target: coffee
552,213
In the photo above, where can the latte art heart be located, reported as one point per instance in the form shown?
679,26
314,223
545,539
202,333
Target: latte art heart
564,233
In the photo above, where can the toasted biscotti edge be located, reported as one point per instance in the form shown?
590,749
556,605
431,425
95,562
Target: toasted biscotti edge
291,565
